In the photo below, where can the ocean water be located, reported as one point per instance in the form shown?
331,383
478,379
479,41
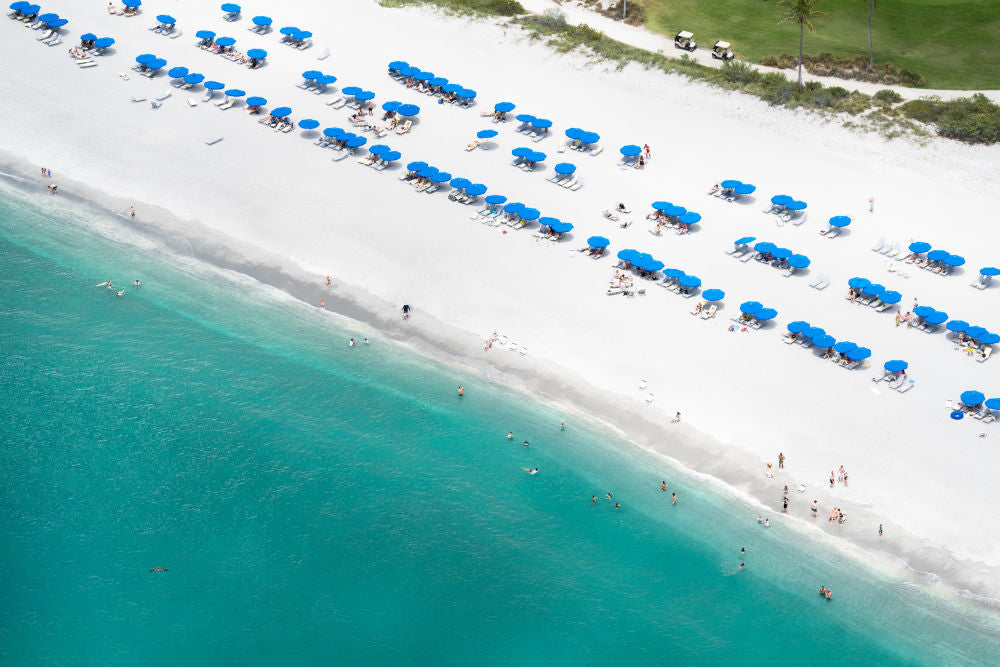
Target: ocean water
319,504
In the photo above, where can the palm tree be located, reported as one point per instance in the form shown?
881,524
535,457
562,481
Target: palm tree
804,13
871,51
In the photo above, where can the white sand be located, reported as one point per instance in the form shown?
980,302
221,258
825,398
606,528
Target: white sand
744,396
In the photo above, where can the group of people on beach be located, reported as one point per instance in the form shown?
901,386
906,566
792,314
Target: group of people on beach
842,477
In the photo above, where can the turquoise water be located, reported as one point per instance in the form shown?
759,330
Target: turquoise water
317,504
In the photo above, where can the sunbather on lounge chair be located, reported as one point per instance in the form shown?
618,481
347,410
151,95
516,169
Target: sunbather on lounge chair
472,145
608,214
715,188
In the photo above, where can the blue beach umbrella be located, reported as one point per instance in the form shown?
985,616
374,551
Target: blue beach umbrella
19,5
521,151
312,74
486,134
975,332
840,221
798,326
642,259
230,8
205,34
308,124
429,171
957,326
937,255
813,332
416,166
104,42
796,205
225,41
503,107
326,79
919,247
989,271
954,260
48,16
957,414
744,189
895,365
993,403
406,109
441,176
166,18
765,314
256,101
713,295
989,338
858,283
366,95
859,354
194,78
235,92
58,23
689,218
465,93
598,242
451,87
524,117
781,200
781,253
972,397
356,142
391,105
744,240
628,149
409,71
575,133
627,254
561,227
132,3
529,214
352,90
751,307
391,156
475,190
922,311
495,199
937,317
397,65
289,30
798,261
156,63
541,123
565,168
281,112
674,211
824,340
689,281
653,265
536,156
437,81
423,76
765,247
514,207
88,37
874,289
302,34
674,273
261,20
844,346
662,205
257,54
730,184
589,138
890,297
378,149
460,183
177,72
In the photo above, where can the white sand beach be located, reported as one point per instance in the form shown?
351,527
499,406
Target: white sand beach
273,199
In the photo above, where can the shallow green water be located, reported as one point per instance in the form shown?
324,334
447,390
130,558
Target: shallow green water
319,504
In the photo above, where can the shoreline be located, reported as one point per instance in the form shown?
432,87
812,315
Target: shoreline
430,339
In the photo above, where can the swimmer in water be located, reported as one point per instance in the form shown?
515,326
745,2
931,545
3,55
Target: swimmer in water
673,499
663,485
366,342
743,550
159,569
767,523
119,292
106,283
351,344
510,435
526,444
829,594
618,506
461,390
742,565
530,471
593,500
137,284
562,426
608,496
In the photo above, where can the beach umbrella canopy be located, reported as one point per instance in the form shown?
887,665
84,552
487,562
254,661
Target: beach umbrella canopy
352,90
575,132
796,206
840,221
529,213
957,325
561,227
257,54
132,3
194,78
844,346
495,199
957,414
858,283
326,79
391,156
922,311
874,289
308,124
730,184
589,137
813,332
689,218
235,92
166,18
18,6
177,72
744,189
377,149
475,190
465,93
405,109
225,41
989,338
674,211
429,171
689,281
598,242
937,255
751,307
205,34
662,205
514,207
798,326
522,151
824,340
654,265
989,271
975,332
628,149
88,37
231,8
765,314
423,76
890,297
937,317
460,183
536,156
356,142
486,134
58,23
302,34
954,260
713,295
993,403
48,16
745,239
440,177
674,273
311,74
798,261
781,253
565,168
627,254
524,117
366,95
398,65
261,20
438,81
781,200
289,30
859,354
145,58
972,397
256,101
391,105
451,87
156,63
281,112
919,247
409,71
765,247
416,166
503,107
895,365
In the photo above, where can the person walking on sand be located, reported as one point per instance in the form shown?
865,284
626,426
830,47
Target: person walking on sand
645,147
406,311
781,460
770,470
831,479
322,303
815,509
131,211
676,419
880,530
871,204
328,281
899,318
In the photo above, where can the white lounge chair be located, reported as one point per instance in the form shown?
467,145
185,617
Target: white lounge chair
213,141
878,246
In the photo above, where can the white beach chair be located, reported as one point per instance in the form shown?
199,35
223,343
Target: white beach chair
213,141
45,35
227,105
164,96
596,150
87,63
878,246
192,102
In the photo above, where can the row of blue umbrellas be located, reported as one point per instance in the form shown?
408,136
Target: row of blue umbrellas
793,260
411,72
150,61
555,224
854,352
578,134
942,256
930,315
640,260
788,203
738,187
295,34
349,139
756,310
975,332
874,289
52,20
358,93
383,152
683,215
973,398
98,42
529,154
401,109
318,77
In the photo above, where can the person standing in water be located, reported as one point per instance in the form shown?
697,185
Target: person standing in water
131,211
673,498
510,435
461,390
880,530
406,311
663,485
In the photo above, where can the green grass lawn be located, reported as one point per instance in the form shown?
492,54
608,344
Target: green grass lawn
950,42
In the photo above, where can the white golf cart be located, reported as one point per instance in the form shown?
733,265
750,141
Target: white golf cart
722,51
685,40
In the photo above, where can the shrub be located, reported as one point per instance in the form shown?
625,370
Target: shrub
820,98
813,85
975,119
887,97
925,110
769,61
838,92
737,71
